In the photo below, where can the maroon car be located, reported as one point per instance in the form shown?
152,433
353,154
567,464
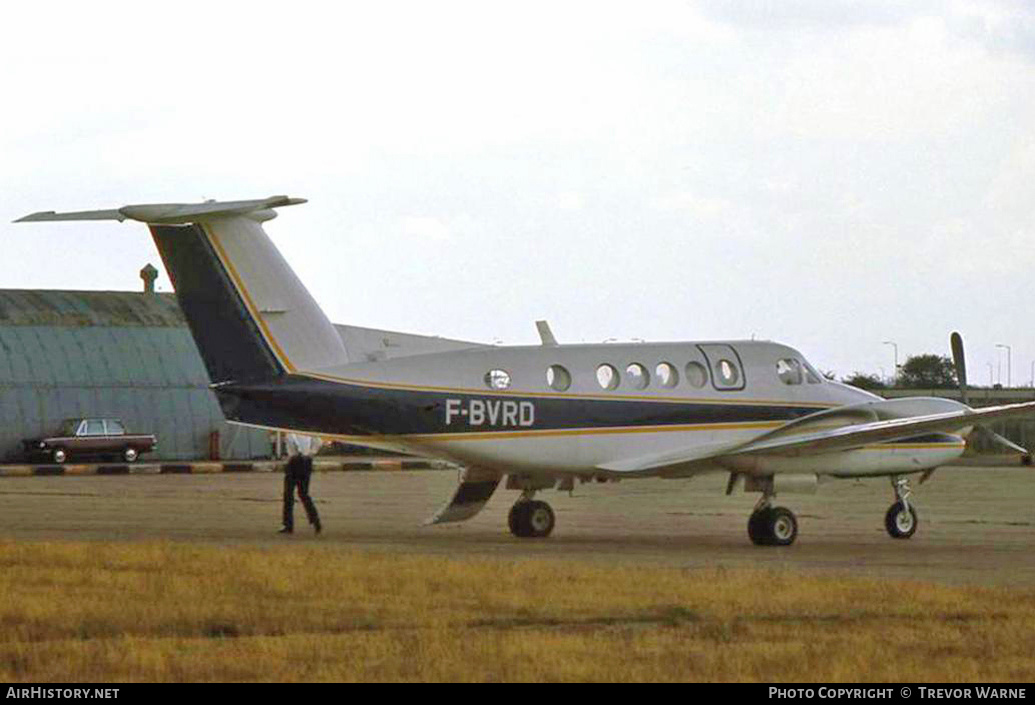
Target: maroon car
90,438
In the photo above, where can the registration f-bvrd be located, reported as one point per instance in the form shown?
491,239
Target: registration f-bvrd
491,412
540,416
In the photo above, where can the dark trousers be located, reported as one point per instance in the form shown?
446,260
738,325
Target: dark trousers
296,474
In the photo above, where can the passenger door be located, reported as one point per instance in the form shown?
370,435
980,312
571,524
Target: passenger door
727,370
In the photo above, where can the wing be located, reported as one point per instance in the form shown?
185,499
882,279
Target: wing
806,442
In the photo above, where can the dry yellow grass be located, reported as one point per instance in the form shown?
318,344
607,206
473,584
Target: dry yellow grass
176,612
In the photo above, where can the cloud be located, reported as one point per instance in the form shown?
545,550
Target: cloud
436,229
691,203
570,201
818,14
425,227
998,26
1001,27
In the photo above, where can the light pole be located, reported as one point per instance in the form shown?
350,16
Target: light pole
1009,365
894,378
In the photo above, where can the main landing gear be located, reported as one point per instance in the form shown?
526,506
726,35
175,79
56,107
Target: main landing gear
901,520
530,518
769,525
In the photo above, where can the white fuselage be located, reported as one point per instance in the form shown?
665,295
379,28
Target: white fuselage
550,409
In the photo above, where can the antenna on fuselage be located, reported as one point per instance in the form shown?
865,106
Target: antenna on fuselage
545,334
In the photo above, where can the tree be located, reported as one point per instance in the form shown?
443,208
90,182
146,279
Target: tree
927,372
865,381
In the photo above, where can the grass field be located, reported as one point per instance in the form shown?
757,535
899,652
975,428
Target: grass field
103,612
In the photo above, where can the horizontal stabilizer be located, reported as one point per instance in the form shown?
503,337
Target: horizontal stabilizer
174,213
249,313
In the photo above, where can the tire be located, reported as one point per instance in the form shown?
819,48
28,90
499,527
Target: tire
515,519
899,523
775,526
531,519
59,455
130,455
757,528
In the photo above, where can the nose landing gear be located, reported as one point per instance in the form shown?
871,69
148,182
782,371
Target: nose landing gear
901,520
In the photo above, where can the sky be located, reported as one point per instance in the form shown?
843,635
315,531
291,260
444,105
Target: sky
830,174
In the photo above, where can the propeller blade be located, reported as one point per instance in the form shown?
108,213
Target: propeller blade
996,438
958,359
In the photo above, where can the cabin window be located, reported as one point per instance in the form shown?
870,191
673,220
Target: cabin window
94,427
696,375
558,378
638,376
114,427
607,377
497,379
728,373
789,371
666,374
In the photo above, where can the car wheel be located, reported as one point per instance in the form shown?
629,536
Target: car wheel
129,455
59,455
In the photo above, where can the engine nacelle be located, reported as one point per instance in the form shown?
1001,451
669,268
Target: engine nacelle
783,483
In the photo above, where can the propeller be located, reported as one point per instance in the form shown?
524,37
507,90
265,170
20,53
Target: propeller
960,361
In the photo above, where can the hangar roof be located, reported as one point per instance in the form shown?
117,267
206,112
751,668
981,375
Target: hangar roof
36,307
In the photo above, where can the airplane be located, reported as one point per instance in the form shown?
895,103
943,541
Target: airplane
540,416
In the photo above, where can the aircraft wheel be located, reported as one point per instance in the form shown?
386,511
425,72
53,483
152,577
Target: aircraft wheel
900,523
514,521
531,519
756,528
773,526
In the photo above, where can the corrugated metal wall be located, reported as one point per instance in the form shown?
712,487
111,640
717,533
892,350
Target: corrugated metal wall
122,354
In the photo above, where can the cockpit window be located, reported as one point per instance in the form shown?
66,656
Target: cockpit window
811,375
789,371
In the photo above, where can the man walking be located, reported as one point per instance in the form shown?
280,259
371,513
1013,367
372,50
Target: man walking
296,474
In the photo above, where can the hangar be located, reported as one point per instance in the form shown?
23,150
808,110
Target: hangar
122,354
130,355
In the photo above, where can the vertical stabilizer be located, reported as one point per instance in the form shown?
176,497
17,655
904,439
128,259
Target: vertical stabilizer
250,315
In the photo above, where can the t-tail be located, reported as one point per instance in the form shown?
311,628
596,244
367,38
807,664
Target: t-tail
250,315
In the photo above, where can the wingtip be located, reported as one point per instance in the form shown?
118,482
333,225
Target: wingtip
34,216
